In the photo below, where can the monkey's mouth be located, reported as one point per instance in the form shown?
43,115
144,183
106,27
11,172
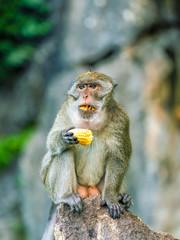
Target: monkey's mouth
87,108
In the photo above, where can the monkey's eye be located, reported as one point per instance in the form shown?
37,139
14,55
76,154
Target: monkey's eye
92,85
81,86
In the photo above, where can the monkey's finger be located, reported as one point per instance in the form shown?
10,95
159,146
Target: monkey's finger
111,211
121,209
73,204
128,205
77,202
69,138
73,141
118,212
72,208
74,138
81,204
77,198
115,212
66,141
78,207
126,198
70,128
67,134
120,197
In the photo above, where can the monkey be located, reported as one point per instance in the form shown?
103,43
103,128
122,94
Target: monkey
72,172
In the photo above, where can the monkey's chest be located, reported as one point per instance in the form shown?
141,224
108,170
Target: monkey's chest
89,163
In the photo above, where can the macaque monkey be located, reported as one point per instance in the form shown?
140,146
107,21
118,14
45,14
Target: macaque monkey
72,172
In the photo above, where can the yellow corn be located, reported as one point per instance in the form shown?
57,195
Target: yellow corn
84,136
83,107
87,107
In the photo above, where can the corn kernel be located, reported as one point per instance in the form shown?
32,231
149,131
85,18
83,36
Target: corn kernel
87,107
84,136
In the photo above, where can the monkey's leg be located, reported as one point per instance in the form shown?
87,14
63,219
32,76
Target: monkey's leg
114,175
60,181
125,200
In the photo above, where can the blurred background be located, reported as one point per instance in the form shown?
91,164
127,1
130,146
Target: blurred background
44,46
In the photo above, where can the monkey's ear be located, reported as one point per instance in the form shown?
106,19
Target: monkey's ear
115,85
73,91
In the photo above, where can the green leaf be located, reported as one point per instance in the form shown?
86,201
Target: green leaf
23,23
19,55
5,46
33,29
10,146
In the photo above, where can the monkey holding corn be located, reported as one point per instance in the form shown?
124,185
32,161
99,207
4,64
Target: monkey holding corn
74,168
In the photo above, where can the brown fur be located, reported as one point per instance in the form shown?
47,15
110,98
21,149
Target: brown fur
93,76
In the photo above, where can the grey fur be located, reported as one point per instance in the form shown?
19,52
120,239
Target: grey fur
105,159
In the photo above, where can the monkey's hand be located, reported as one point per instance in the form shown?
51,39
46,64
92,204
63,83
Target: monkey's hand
74,201
126,200
68,137
115,208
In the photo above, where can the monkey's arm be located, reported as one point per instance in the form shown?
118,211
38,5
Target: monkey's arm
58,163
59,139
55,144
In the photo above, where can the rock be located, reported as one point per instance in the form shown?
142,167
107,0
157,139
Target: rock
95,223
95,28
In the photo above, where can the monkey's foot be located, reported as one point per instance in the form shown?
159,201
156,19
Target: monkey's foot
115,209
74,201
125,200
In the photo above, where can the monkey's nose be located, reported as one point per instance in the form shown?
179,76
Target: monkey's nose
85,96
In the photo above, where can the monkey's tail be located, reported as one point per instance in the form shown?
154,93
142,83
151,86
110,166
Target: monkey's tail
49,231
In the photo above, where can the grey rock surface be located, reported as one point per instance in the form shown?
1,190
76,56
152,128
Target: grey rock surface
95,222
95,28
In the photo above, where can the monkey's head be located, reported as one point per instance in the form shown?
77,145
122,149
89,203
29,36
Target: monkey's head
90,93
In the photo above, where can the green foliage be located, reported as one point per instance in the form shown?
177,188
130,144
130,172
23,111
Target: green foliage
12,145
22,25
19,55
17,229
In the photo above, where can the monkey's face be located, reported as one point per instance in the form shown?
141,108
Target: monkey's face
88,96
